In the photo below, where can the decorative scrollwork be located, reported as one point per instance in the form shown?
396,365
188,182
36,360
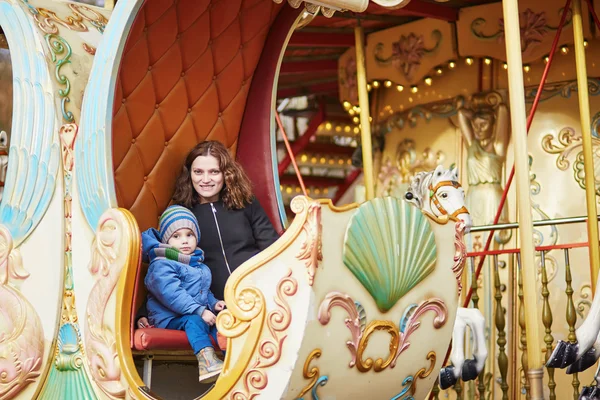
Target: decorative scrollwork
533,28
337,299
460,253
538,236
106,265
562,89
311,251
443,109
584,302
59,46
89,49
269,350
567,141
360,338
47,20
410,382
311,374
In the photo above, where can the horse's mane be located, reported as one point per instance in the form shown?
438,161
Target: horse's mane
419,185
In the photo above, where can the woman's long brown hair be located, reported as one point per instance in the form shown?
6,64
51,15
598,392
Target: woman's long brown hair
237,190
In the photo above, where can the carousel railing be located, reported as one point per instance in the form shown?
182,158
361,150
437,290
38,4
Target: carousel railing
510,337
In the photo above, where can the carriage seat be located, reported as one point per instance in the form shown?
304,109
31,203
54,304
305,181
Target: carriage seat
147,341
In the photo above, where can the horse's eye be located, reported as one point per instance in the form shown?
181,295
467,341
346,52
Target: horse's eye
444,195
408,196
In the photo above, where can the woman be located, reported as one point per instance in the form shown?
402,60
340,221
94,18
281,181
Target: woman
234,227
486,134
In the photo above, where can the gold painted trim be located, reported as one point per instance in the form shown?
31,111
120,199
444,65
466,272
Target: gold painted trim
125,288
312,374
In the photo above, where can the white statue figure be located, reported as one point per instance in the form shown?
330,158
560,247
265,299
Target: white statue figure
438,194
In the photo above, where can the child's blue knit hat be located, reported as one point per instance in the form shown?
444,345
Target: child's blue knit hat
175,218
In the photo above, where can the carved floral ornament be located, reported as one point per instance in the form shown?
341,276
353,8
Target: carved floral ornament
533,27
407,52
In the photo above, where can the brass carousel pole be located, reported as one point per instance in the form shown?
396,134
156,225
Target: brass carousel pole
588,161
363,103
519,131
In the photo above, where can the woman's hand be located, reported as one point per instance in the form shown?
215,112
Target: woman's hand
143,323
220,306
209,317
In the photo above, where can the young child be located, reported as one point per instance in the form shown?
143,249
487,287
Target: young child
178,283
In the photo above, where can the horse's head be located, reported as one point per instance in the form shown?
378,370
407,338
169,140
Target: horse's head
439,193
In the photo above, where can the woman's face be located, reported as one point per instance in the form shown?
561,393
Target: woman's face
207,178
482,127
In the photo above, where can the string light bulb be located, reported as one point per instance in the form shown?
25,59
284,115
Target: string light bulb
428,81
469,60
564,49
439,71
526,68
505,66
414,89
375,84
451,64
388,84
546,59
399,88
487,61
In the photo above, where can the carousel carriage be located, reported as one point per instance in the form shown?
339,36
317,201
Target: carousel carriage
333,308
356,301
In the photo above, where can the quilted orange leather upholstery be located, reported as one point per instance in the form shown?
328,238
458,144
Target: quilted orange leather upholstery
184,78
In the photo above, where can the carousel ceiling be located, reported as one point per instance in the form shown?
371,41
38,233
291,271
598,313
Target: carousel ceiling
310,68
310,60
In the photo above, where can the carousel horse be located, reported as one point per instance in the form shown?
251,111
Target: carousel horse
583,353
439,195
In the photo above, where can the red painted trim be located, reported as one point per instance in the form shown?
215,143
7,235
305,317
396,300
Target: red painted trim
314,181
417,8
539,248
301,143
254,141
343,188
327,148
331,87
318,39
296,67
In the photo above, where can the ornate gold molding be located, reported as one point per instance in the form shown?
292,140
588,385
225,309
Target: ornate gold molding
360,337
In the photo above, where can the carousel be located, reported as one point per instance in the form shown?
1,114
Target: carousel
410,282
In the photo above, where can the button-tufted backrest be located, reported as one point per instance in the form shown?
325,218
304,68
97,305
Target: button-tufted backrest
184,78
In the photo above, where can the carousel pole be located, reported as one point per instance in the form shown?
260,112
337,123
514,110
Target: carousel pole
519,130
363,103
588,161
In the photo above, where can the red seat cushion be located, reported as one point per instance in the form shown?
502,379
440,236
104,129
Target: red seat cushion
162,339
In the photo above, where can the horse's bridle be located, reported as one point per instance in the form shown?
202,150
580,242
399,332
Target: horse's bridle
433,197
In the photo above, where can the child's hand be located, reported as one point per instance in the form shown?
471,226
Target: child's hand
209,317
143,323
220,306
